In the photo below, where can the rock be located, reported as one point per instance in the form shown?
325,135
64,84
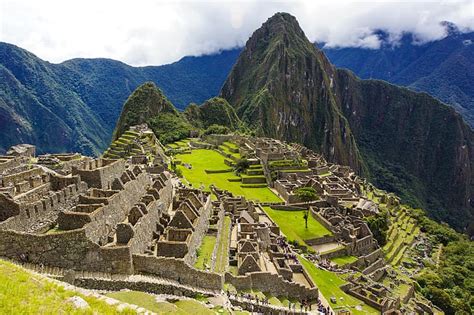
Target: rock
78,302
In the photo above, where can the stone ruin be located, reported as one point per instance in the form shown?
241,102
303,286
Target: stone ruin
94,218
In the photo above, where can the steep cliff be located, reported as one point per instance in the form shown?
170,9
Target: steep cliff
406,142
281,86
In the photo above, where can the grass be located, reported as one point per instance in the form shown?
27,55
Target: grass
203,159
344,260
149,302
22,292
205,252
222,255
292,224
329,285
226,150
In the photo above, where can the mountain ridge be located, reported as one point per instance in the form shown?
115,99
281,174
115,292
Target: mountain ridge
390,133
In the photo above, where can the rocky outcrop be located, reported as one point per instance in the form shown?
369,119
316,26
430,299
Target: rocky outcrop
281,86
404,141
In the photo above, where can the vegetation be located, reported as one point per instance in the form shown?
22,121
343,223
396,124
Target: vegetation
449,282
378,224
329,285
24,293
290,225
241,166
202,160
216,129
222,256
213,112
306,194
169,127
149,302
204,252
344,260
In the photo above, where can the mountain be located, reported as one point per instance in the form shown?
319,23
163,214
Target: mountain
36,107
215,111
73,106
269,94
404,141
443,68
147,104
82,98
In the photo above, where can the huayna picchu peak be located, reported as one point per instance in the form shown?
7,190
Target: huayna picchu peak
405,142
297,188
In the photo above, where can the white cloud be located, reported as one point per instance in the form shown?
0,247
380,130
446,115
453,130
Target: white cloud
155,32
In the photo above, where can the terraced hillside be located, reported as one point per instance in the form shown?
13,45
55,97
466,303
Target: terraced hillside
131,143
205,167
400,236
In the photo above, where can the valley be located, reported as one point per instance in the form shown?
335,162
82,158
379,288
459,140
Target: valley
299,189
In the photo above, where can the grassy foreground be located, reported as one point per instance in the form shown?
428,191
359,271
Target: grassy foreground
22,292
203,159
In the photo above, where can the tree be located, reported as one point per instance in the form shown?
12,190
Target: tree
378,224
241,166
305,217
306,194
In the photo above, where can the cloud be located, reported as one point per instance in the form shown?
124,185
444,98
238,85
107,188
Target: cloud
150,32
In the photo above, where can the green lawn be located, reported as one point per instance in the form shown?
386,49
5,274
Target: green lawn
222,255
329,285
203,159
24,293
205,252
292,224
344,260
149,302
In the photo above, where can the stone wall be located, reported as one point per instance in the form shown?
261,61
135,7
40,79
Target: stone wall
177,270
7,162
29,216
336,253
321,240
200,231
101,173
69,249
273,284
100,223
321,220
144,228
143,286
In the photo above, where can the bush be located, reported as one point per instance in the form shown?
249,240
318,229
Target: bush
216,130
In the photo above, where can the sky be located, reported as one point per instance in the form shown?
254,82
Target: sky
155,32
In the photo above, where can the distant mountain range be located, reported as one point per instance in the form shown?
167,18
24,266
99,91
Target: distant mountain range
443,68
73,106
51,104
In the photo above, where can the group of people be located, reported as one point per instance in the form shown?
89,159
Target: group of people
304,305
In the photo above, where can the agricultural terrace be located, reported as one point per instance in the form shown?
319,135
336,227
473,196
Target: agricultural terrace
201,160
292,224
329,285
